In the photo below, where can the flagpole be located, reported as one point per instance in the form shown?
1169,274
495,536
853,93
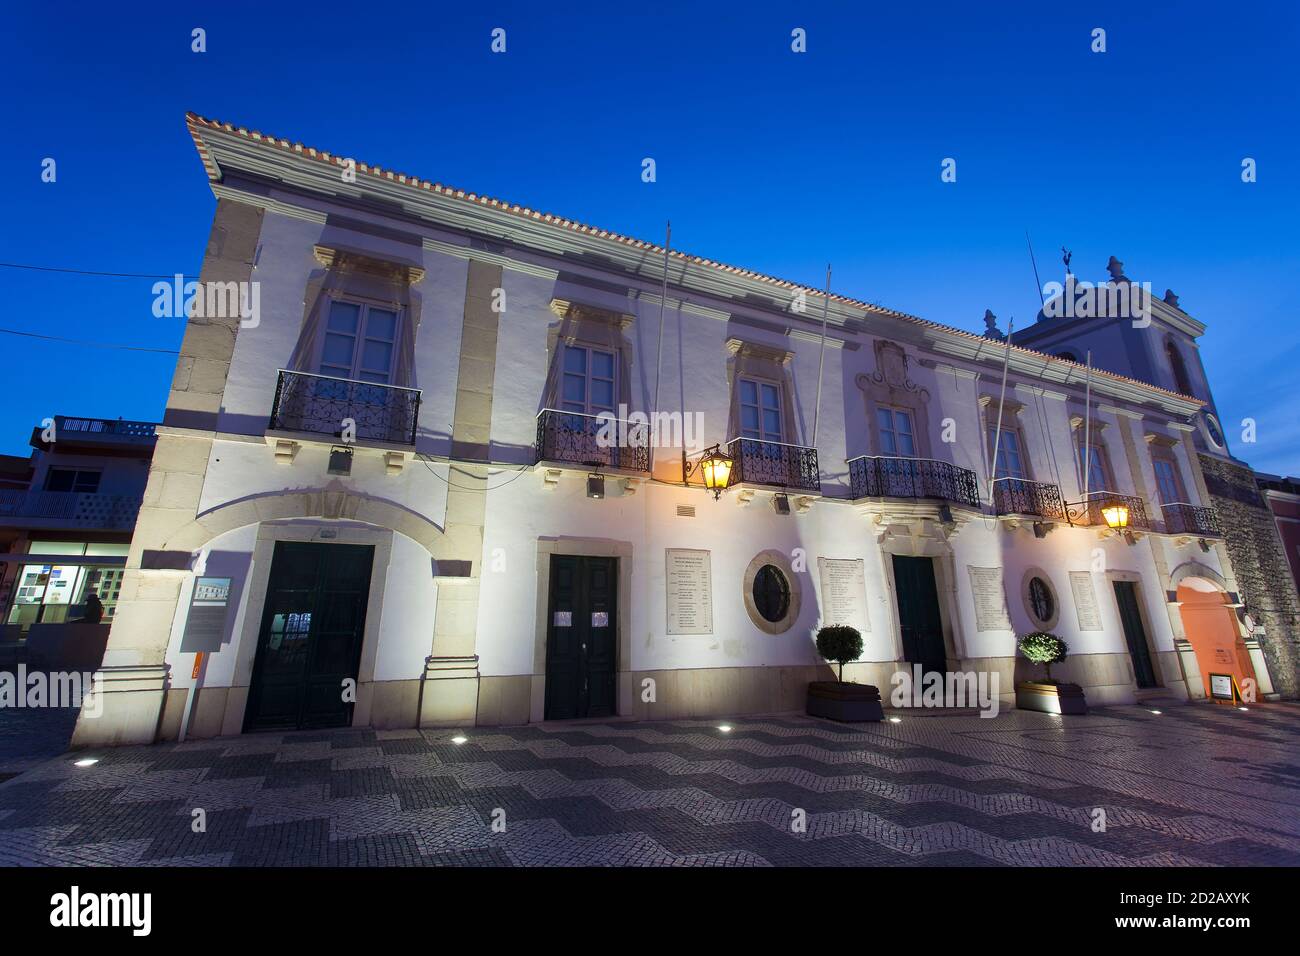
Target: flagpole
821,362
1087,430
997,431
663,300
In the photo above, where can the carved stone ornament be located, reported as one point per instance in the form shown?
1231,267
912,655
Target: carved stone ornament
892,372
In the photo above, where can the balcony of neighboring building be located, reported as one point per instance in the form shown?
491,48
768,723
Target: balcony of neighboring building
918,479
96,436
68,510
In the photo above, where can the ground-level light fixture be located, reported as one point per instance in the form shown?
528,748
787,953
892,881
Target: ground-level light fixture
895,720
460,739
86,762
725,728
1115,513
1156,712
714,468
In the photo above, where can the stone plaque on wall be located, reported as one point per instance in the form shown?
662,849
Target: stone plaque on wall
844,592
1085,601
990,599
689,587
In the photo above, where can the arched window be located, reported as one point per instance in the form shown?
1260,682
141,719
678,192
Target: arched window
1181,381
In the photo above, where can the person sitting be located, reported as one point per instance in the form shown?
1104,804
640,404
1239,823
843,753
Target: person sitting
93,611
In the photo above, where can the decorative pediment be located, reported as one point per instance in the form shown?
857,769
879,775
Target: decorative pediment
1009,406
338,259
1076,423
757,350
582,312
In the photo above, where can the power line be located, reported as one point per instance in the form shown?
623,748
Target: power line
96,345
451,484
89,272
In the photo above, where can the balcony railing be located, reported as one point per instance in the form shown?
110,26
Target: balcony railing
592,441
871,477
322,404
70,508
1089,511
1020,496
774,463
103,426
1184,518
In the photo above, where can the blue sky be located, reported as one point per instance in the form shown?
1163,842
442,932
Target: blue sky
767,159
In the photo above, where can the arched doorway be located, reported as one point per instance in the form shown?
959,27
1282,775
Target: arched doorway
1212,630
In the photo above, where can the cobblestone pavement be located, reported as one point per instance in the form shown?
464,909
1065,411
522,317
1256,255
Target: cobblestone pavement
30,737
1194,785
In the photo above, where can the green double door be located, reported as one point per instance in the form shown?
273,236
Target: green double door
309,645
918,613
582,638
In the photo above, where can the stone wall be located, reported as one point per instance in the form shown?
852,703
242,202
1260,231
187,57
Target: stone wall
1261,567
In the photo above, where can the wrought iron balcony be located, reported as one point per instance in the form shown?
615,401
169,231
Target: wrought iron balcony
592,441
877,477
1184,518
774,463
72,509
321,404
1020,496
1089,511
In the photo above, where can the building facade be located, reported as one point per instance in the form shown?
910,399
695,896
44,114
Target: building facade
394,497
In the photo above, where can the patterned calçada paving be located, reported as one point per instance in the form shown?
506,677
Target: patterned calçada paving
1193,785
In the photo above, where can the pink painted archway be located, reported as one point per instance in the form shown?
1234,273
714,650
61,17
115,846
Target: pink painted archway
1211,629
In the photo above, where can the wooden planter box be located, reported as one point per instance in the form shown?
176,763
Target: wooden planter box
1051,698
844,702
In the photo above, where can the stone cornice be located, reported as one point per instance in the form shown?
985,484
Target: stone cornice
491,258
693,308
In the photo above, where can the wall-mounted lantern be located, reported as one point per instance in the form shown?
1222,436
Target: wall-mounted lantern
1115,513
714,468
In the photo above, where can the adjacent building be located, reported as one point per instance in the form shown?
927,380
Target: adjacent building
451,472
66,516
1282,495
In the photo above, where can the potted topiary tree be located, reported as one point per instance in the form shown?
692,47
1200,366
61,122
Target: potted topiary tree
835,699
1048,696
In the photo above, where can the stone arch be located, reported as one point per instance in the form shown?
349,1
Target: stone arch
1194,569
335,503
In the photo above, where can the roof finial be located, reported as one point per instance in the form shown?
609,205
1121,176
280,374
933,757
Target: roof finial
1116,270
